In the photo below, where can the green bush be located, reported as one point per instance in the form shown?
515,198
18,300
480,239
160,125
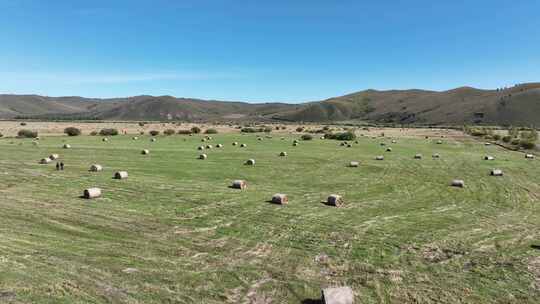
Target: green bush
299,129
94,133
195,130
211,131
141,124
154,133
27,133
108,132
515,141
307,137
72,131
496,137
184,132
507,138
169,132
1,135
527,144
267,129
23,124
341,136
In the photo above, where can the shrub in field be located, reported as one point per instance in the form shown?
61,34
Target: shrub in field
108,132
94,133
23,124
515,141
267,129
507,138
307,137
496,137
249,130
154,132
169,132
184,132
141,124
195,130
341,136
527,144
299,129
72,131
211,131
27,133
1,135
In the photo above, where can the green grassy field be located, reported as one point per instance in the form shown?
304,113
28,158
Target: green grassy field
174,232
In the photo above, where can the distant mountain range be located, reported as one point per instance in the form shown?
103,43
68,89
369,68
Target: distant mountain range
518,105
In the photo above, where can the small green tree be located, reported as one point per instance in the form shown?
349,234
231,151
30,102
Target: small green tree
195,130
72,131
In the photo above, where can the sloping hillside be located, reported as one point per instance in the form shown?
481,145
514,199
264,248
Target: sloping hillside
519,105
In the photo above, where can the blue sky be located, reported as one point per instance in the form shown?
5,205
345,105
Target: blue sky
279,50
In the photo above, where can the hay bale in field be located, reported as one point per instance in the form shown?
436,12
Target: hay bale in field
96,168
439,142
496,172
436,155
343,144
322,137
135,138
235,144
54,156
335,200
487,144
280,198
145,152
337,295
388,149
295,144
458,183
259,138
203,156
105,139
354,164
243,145
382,144
200,148
203,140
283,154
380,157
529,156
349,146
209,147
45,161
66,146
152,139
91,193
418,156
394,141
121,175
489,157
239,184
250,162
219,146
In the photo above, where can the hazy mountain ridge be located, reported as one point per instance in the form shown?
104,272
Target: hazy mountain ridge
515,105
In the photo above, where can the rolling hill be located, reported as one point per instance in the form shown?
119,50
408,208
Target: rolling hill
518,105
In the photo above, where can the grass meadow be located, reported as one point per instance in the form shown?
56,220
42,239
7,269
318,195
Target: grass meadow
174,232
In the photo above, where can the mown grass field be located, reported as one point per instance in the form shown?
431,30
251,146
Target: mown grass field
174,232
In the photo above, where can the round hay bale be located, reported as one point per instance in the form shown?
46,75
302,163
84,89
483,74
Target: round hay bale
203,140
529,156
394,141
243,145
200,148
439,142
489,157
235,144
383,144
337,295
45,161
259,138
418,156
343,144
152,139
487,144
322,137
283,138
135,138
436,155
335,200
388,149
66,146
280,198
239,184
219,146
250,162
295,144
203,156
54,156
105,139
209,137
121,175
209,146
96,168
496,172
91,193
283,154
349,146
380,157
458,183
354,164
145,152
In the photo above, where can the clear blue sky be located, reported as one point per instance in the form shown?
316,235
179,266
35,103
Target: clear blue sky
275,50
